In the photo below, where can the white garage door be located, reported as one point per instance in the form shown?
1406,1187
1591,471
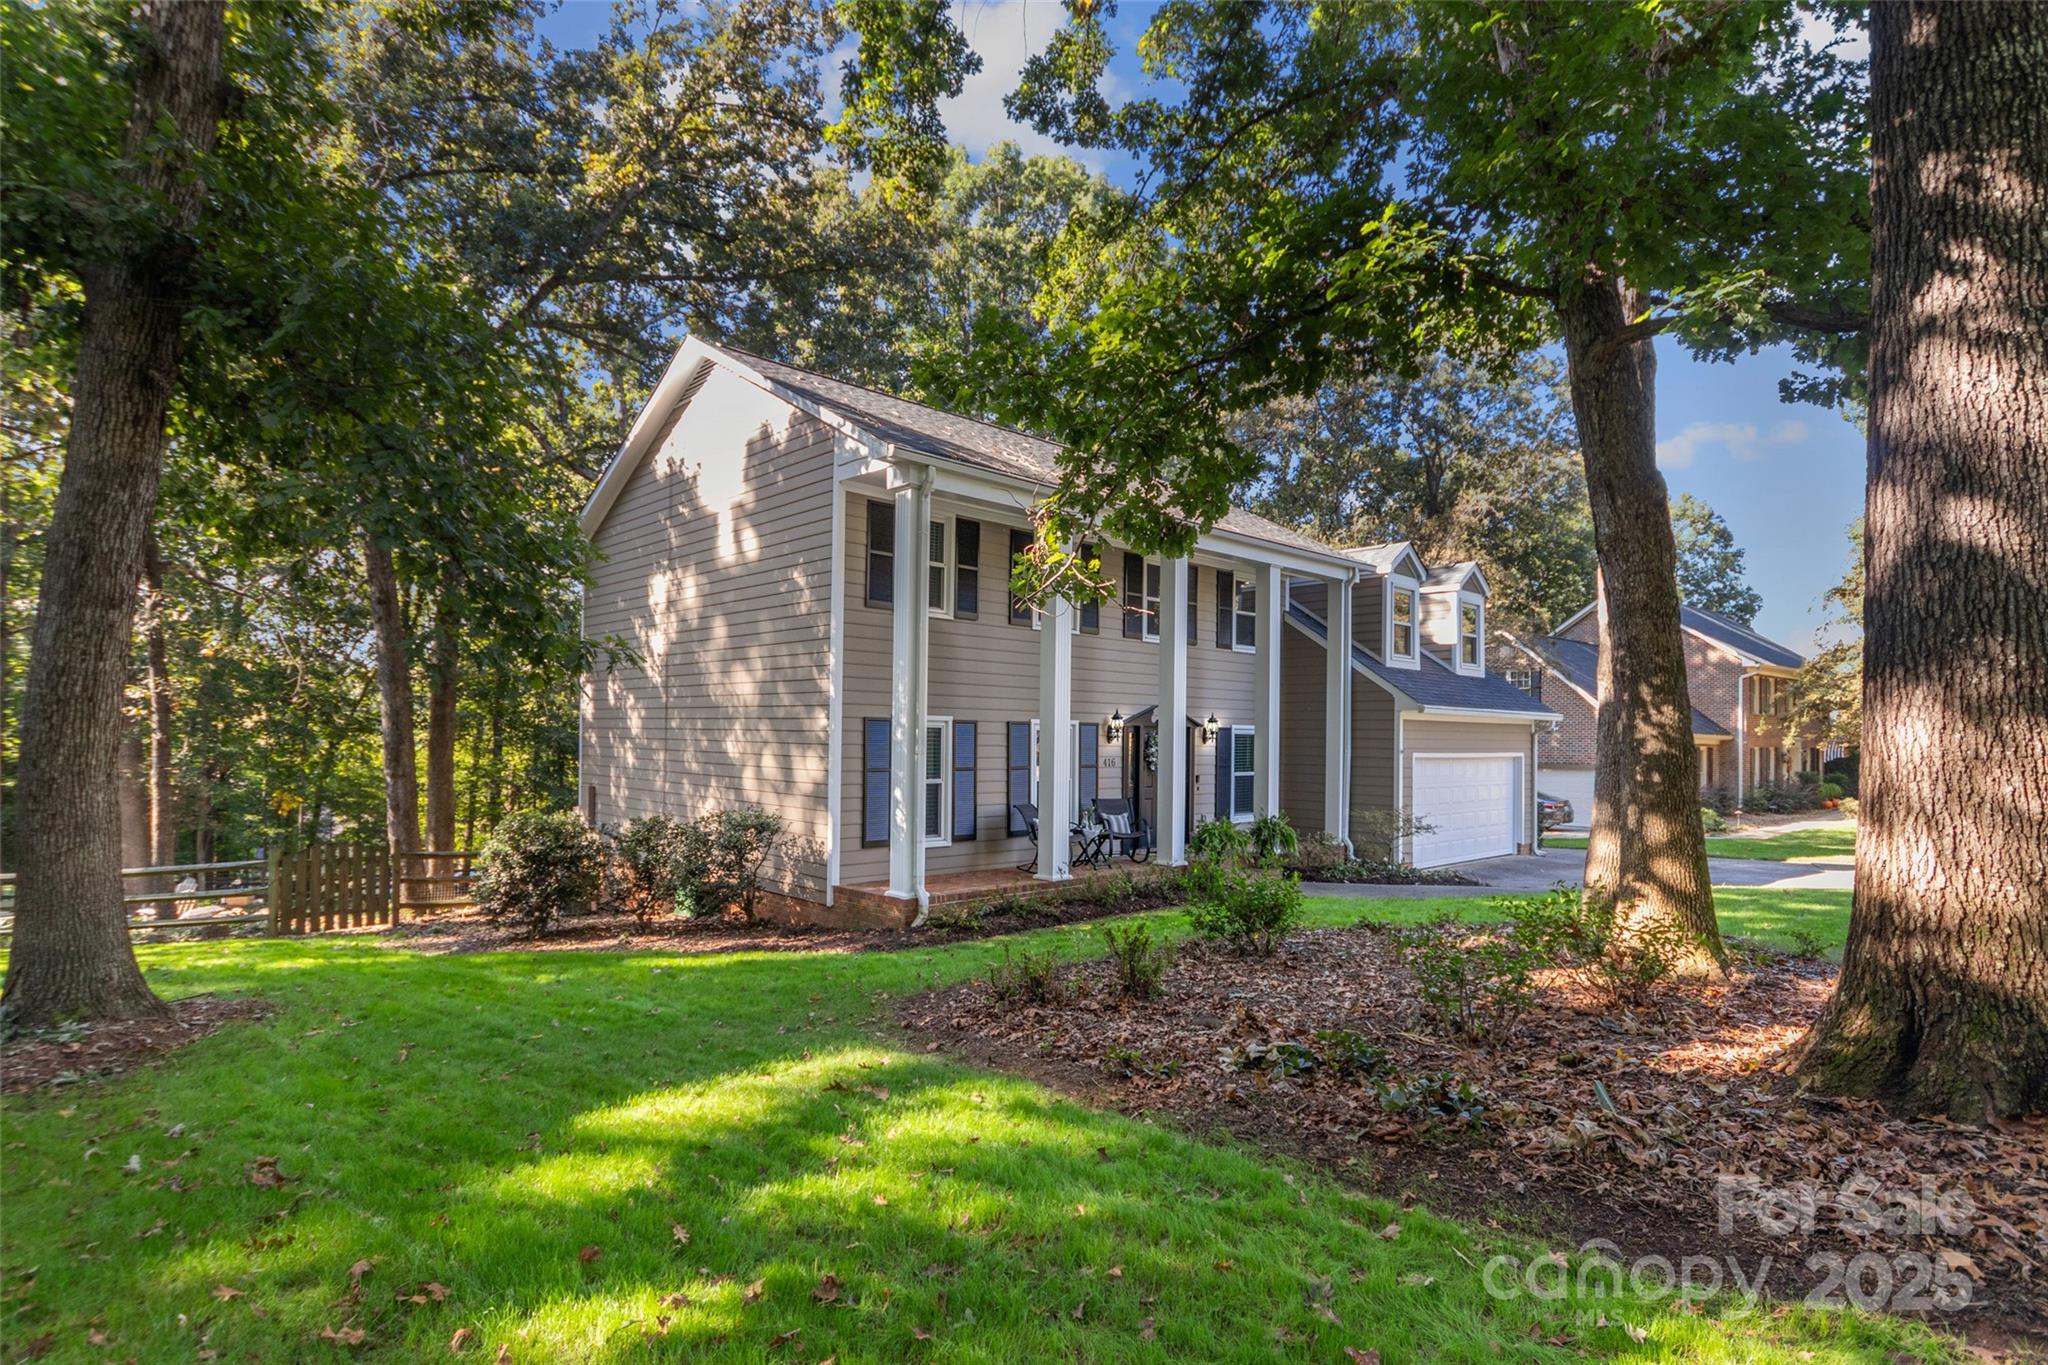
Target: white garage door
1471,804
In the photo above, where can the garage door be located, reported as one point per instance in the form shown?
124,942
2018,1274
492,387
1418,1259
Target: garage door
1471,803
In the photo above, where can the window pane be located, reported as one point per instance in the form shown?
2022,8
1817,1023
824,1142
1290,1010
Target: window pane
934,752
1242,748
937,592
1247,629
1241,794
1403,639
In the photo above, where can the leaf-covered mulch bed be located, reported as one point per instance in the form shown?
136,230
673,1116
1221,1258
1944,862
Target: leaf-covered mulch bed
1382,874
64,1056
1596,1121
467,931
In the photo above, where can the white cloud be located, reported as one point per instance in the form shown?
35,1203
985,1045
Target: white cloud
1741,440
1006,33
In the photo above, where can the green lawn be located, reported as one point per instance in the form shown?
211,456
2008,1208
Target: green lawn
1835,845
526,1132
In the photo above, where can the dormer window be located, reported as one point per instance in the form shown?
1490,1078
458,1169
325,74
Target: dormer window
1401,622
1471,621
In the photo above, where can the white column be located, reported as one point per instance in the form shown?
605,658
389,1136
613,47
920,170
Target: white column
1172,812
1337,714
1056,757
1270,588
907,683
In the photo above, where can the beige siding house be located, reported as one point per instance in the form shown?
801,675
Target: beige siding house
1434,735
761,535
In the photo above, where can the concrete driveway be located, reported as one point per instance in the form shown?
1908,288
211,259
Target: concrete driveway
1541,871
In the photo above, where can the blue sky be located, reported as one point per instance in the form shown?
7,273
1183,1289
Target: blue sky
1788,478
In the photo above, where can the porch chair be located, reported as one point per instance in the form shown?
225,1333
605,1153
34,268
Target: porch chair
1028,815
1127,831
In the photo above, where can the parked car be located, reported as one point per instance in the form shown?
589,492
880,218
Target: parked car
1556,811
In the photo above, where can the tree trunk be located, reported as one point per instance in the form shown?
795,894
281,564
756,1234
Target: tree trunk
71,957
163,821
442,695
1646,852
1942,1005
394,707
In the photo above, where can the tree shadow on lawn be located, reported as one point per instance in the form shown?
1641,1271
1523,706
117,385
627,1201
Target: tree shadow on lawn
483,1125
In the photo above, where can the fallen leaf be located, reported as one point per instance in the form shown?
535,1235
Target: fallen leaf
1079,1309
1116,1272
224,1292
919,1334
1146,1331
1390,1232
676,1300
782,1339
504,1354
347,1336
462,1340
681,1234
1358,1357
588,1254
753,1292
827,1290
360,1269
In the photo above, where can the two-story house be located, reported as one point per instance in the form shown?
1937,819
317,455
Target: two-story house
815,579
1740,684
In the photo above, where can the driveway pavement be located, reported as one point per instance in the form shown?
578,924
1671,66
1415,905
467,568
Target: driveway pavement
1541,871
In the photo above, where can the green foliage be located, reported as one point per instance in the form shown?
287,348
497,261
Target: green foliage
1434,1097
1280,1059
1477,985
645,859
1219,842
1710,562
717,858
1249,912
1465,463
1030,976
1137,959
1830,791
539,866
1352,1055
1711,820
1271,838
1781,798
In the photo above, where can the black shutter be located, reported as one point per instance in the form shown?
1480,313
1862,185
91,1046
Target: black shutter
966,569
1226,604
874,785
1224,772
881,553
1091,610
964,795
1020,610
1134,596
1091,748
1019,766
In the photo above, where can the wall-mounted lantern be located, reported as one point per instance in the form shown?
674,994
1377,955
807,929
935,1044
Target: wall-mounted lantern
1113,731
1209,728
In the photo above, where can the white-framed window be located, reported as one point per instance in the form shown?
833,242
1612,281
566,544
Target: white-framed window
939,592
1148,600
938,780
1471,635
1404,596
1523,678
1244,777
1244,615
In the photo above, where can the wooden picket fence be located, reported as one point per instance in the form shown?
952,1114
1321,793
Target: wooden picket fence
322,888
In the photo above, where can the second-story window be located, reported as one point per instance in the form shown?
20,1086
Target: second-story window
1468,635
1149,602
1402,613
1244,614
940,591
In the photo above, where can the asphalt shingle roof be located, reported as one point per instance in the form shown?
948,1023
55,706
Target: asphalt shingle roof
1735,635
1580,662
967,440
1435,683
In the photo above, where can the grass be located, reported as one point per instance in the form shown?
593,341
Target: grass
1775,918
1834,845
526,1132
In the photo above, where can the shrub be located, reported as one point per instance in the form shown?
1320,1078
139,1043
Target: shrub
1272,838
1282,1059
1476,984
716,860
1830,791
1026,975
1848,806
1377,834
1137,960
1249,912
538,866
1318,851
1711,821
1721,800
1218,841
643,865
